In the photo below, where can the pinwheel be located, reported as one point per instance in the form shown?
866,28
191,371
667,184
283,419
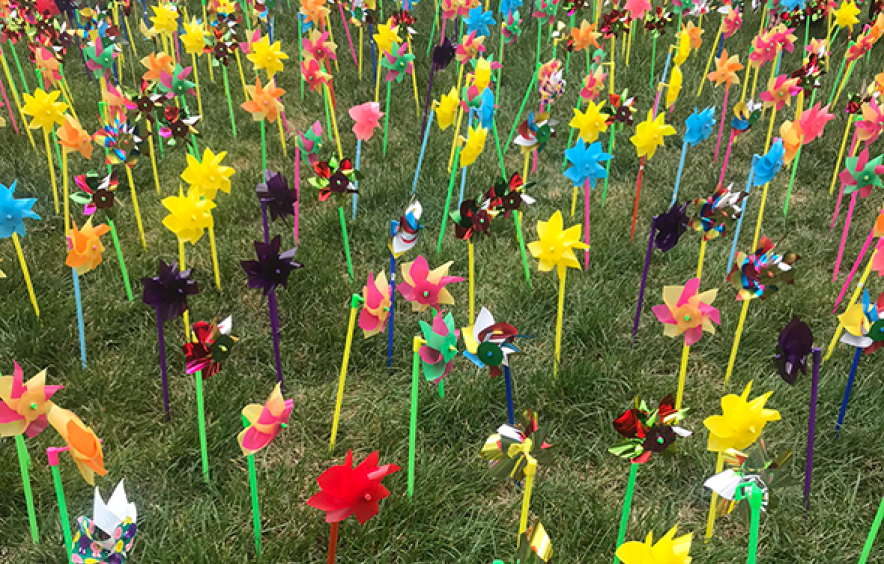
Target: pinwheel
176,125
667,550
845,15
376,305
516,452
366,117
479,22
740,424
649,135
12,213
268,56
207,175
760,274
590,123
100,58
584,36
276,196
438,348
175,84
779,93
646,432
534,133
84,254
109,536
46,113
425,288
593,84
156,64
699,127
872,124
586,170
864,324
337,177
317,45
345,491
189,216
83,445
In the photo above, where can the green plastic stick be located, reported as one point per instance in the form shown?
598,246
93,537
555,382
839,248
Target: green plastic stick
876,524
653,58
795,167
499,152
386,118
300,56
346,242
201,418
539,34
627,504
62,509
21,73
120,259
229,101
608,164
433,31
448,199
253,488
754,524
517,216
837,80
521,109
24,463
412,429
263,147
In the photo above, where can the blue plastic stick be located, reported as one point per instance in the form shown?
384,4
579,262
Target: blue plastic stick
508,380
80,326
684,151
730,259
847,389
392,310
420,158
358,158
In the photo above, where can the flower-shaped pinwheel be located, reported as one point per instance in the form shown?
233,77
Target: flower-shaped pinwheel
872,124
813,121
586,160
376,299
516,451
685,311
670,226
272,268
85,448
335,177
194,37
584,36
121,139
761,273
24,405
209,346
650,134
535,132
752,473
398,62
189,215
862,173
780,91
263,101
425,288
667,550
265,422
550,83
479,22
110,534
439,347
764,49
657,21
267,56
314,74
699,126
84,246
73,138
310,142
741,421
590,122
673,88
366,118
44,110
174,84
156,64
508,196
446,109
165,18
387,35
346,490
845,15
555,246
207,175
794,345
546,11
490,343
470,218
511,27
13,211
716,215
99,57
646,432
47,66
472,145
864,324
275,193
168,291
767,167
732,22
319,46
594,84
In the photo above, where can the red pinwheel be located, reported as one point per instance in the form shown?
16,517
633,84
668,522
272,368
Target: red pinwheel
346,490
210,344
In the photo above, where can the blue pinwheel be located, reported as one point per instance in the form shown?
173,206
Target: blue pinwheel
13,211
507,7
792,5
587,163
479,21
699,126
770,164
485,111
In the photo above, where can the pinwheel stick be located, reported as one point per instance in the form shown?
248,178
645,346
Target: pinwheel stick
182,258
713,503
355,300
526,503
24,464
521,109
253,489
653,59
844,234
586,197
608,164
229,99
153,158
358,160
840,158
873,532
855,267
51,170
412,428
9,108
263,147
644,282
135,205
848,388
755,503
684,152
517,217
24,270
161,340
559,314
638,195
214,250
80,325
272,307
420,158
508,382
346,241
201,420
472,275
15,98
798,154
386,117
333,528
627,504
811,424
52,454
297,194
448,199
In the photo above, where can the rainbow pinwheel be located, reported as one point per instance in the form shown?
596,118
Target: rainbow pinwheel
550,83
688,312
122,141
376,296
760,274
716,215
425,288
265,422
593,84
439,348
862,173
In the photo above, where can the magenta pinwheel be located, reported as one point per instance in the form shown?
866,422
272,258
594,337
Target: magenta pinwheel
862,174
688,312
425,288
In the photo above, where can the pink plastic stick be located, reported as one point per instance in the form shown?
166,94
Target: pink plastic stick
347,29
297,191
8,108
853,270
721,127
727,156
844,234
837,211
586,222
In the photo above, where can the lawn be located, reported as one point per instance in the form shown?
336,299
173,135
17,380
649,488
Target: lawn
459,512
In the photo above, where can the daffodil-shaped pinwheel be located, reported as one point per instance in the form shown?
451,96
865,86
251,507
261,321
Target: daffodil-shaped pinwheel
264,101
650,134
699,126
13,211
165,18
473,145
760,274
862,173
686,311
446,109
586,160
156,64
267,56
194,37
845,15
584,36
425,288
673,88
590,122
208,175
741,421
780,91
479,22
265,422
726,70
314,74
398,62
46,112
175,84
386,36
667,550
555,245
189,215
439,347
84,246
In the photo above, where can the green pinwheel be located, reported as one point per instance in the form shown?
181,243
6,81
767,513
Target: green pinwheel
439,348
398,62
862,174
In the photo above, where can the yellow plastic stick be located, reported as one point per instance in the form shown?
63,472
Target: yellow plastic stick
525,166
24,271
711,56
339,402
131,42
51,170
574,200
843,82
682,375
17,103
840,154
701,258
214,257
417,104
710,520
472,281
242,77
196,78
282,138
331,36
559,315
526,502
135,206
360,53
745,83
334,120
153,158
856,293
66,188
736,346
377,82
182,258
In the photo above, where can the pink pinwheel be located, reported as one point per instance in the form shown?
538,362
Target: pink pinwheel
175,83
878,258
859,48
733,21
23,406
637,8
265,422
47,64
246,46
764,49
470,48
376,307
780,91
450,9
425,288
872,123
813,121
593,84
862,173
783,38
314,74
684,311
367,117
546,11
319,46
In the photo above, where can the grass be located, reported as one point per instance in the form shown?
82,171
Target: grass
459,513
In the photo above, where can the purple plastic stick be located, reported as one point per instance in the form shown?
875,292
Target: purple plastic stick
811,425
274,328
641,290
161,339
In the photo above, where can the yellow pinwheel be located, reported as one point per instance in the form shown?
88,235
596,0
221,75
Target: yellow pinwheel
591,122
446,109
386,35
845,15
165,19
667,550
267,56
208,175
741,421
189,216
555,245
194,38
650,134
46,112
472,145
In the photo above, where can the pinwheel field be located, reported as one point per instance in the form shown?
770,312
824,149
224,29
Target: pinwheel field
454,509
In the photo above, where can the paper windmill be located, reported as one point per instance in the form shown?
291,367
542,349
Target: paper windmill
314,74
108,537
376,296
647,432
168,291
156,64
272,268
586,160
265,422
121,139
760,274
194,37
189,216
726,70
366,118
346,490
667,550
319,46
872,124
175,124
590,122
584,36
755,470
813,121
275,193
516,451
97,192
439,347
670,226
555,246
207,175
478,21
443,54
405,232
100,58
24,405
209,346
174,84
593,84
84,246
845,15
649,134
746,114
794,345
508,196
44,110
398,62
685,311
741,421
699,126
85,448
470,47
550,82
446,109
490,343
335,176
263,101
13,211
733,21
267,56
73,138
425,288
862,173
864,324
535,132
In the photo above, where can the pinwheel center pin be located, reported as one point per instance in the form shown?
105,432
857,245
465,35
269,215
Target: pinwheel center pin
33,406
9,217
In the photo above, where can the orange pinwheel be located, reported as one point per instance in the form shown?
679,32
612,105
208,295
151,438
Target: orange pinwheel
726,70
84,247
156,63
694,34
73,138
264,101
85,448
793,138
584,36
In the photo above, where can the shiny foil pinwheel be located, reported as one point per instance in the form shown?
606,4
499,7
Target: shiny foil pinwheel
647,432
763,272
717,214
209,345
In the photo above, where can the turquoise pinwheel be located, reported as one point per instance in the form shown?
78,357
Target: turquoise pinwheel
13,211
862,174
398,62
479,21
485,111
770,164
176,84
699,126
587,163
509,6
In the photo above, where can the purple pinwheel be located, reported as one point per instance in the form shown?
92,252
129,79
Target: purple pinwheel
794,345
168,291
443,54
670,226
272,268
586,161
275,193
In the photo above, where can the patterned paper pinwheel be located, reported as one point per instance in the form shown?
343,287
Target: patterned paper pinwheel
550,83
336,177
685,311
265,422
746,114
209,346
122,141
490,343
425,288
716,215
109,536
405,232
535,132
760,274
862,173
594,84
24,405
646,432
439,348
794,345
864,324
748,475
376,301
272,268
